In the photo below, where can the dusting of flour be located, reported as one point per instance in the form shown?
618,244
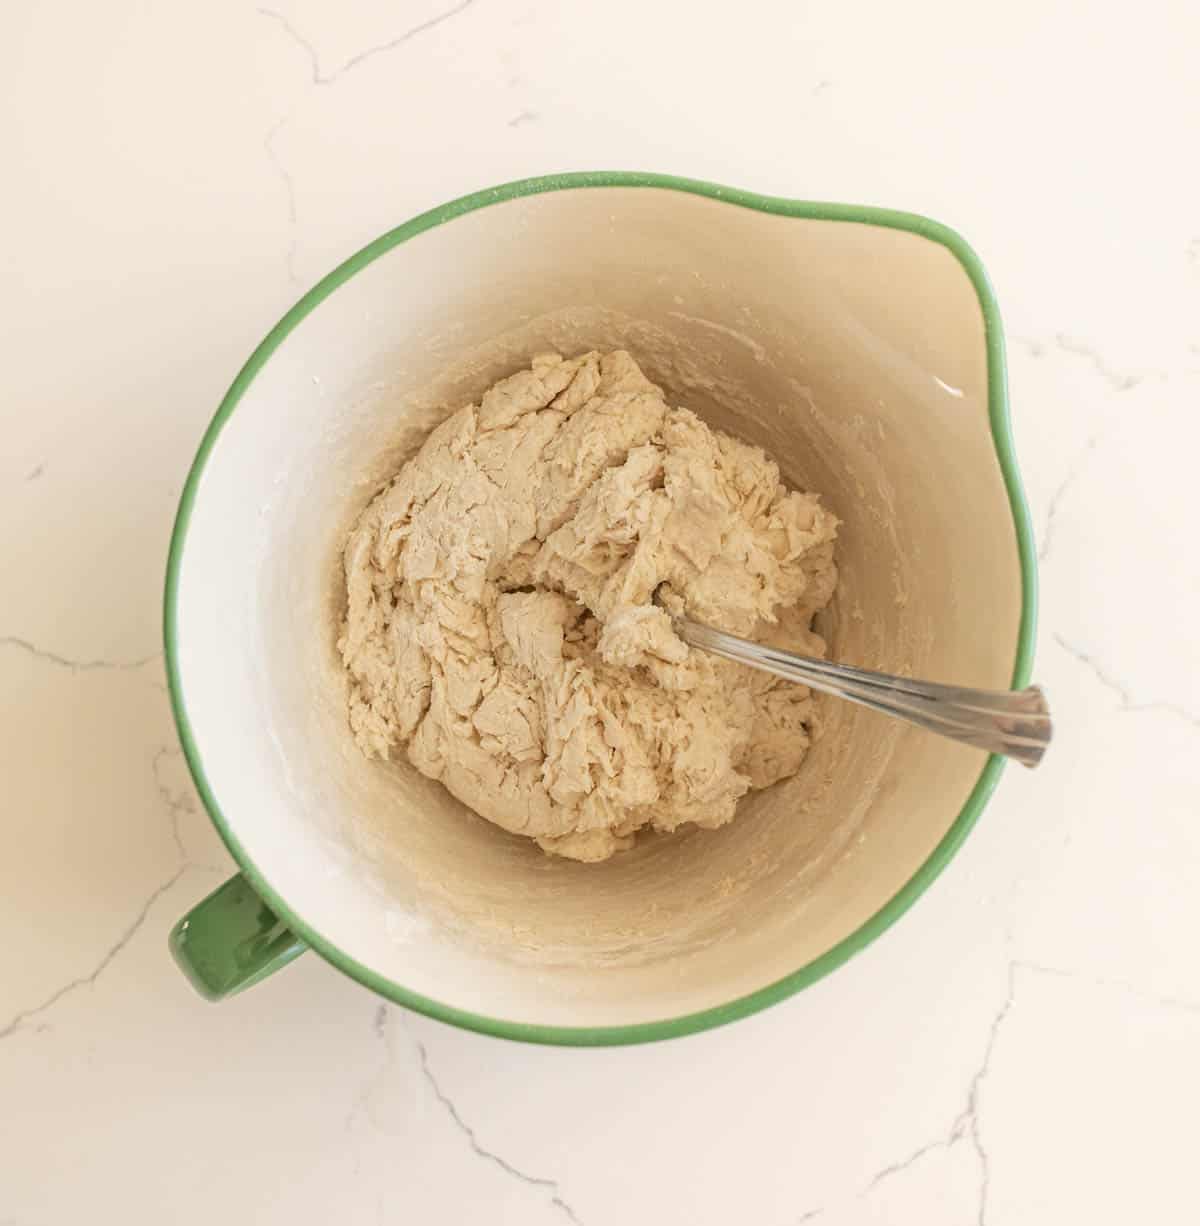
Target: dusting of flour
500,627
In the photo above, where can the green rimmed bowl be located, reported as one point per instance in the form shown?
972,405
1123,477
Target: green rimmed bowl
861,347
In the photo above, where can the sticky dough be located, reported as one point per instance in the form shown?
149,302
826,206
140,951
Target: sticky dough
500,625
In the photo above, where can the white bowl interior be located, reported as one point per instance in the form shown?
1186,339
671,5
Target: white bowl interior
855,354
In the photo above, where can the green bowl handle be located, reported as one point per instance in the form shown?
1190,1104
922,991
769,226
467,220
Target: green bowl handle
231,940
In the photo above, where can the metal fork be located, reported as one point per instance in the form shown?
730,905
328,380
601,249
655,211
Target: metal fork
1015,723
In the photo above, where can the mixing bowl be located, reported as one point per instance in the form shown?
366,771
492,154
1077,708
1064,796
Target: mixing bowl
860,347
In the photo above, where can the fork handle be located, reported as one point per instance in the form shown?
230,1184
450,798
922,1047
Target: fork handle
1014,723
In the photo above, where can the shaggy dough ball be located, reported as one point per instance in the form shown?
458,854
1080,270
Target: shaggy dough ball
500,628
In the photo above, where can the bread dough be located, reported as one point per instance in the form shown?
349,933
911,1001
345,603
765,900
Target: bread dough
500,624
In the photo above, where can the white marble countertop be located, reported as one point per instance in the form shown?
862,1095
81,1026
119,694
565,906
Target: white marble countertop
1024,1047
